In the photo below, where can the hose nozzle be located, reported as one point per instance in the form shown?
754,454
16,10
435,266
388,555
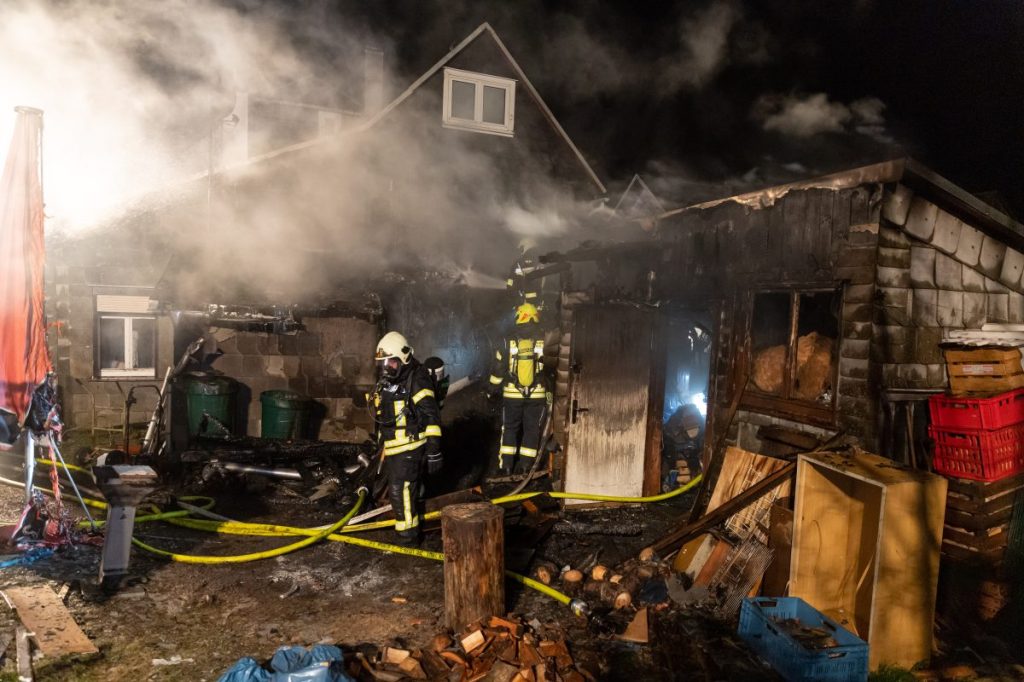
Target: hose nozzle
579,608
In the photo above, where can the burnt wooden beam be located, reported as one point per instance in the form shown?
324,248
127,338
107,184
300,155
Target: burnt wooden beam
687,531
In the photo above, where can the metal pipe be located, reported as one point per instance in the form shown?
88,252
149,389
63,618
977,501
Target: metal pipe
246,469
30,463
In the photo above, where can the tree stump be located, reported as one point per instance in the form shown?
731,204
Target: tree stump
474,562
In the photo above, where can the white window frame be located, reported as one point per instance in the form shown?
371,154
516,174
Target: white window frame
478,80
125,308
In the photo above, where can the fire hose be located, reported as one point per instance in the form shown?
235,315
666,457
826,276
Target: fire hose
338,532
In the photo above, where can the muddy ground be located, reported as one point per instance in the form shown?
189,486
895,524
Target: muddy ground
174,621
211,615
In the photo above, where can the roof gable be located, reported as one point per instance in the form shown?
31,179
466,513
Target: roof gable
484,31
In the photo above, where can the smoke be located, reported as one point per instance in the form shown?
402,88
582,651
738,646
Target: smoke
809,115
130,90
703,45
136,97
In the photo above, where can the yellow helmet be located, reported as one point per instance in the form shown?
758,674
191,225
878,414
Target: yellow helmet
526,313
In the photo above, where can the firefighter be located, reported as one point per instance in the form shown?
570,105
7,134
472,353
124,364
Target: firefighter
518,377
408,428
522,289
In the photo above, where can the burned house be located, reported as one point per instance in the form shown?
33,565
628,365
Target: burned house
311,231
825,301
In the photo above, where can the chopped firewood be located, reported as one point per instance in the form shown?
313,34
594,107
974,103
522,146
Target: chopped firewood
647,554
473,641
515,629
602,591
509,651
433,665
411,667
453,658
484,662
545,572
599,572
528,655
502,672
572,576
394,656
615,579
530,507
637,630
552,649
622,600
399,600
440,642
540,672
524,675
573,676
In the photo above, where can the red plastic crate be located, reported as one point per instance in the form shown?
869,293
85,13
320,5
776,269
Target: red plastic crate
979,454
951,412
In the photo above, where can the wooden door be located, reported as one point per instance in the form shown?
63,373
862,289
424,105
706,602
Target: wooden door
618,383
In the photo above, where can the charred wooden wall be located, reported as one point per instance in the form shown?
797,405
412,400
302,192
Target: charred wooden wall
911,271
718,256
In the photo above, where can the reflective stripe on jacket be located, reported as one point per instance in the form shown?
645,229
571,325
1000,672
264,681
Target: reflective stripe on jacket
406,411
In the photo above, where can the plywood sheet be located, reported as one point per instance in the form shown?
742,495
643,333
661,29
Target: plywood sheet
740,470
866,541
54,630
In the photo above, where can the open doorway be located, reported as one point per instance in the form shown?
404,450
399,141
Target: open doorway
684,416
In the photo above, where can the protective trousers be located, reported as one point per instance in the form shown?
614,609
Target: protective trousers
522,421
404,473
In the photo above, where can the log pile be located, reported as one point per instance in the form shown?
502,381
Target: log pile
493,649
601,586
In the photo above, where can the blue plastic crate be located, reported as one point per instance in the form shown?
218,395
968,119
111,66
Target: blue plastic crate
759,629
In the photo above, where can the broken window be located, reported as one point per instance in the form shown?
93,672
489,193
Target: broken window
794,349
125,340
474,101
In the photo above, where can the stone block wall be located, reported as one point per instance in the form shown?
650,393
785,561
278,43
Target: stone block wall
72,283
331,361
945,274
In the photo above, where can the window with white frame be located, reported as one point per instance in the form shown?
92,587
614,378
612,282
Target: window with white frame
125,338
478,102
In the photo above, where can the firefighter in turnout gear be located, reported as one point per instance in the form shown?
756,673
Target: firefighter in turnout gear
518,376
408,429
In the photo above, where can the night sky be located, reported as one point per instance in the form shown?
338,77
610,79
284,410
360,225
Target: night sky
694,94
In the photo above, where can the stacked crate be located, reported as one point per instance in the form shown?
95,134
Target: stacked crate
979,446
981,439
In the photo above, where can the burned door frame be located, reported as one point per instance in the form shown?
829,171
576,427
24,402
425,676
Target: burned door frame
651,475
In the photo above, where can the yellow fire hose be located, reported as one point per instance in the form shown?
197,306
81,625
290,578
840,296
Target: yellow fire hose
314,535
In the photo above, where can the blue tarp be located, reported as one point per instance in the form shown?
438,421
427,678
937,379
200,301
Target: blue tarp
322,663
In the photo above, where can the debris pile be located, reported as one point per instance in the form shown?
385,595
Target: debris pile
496,649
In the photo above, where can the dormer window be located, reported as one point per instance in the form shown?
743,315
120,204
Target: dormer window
478,102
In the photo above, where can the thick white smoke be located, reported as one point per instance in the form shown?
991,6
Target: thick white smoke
804,116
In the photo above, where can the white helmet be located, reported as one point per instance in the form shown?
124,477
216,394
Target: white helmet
393,351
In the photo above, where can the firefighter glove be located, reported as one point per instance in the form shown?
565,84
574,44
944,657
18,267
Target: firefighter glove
435,460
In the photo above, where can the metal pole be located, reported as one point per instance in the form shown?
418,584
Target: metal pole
74,486
30,464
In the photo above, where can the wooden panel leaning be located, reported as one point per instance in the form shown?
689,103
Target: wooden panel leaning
866,541
474,563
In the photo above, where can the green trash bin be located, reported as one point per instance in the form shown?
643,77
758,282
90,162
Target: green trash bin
211,405
285,414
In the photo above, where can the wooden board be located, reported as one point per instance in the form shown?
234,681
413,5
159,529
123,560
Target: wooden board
54,630
740,470
866,540
780,541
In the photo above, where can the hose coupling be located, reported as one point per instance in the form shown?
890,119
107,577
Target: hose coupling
579,608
